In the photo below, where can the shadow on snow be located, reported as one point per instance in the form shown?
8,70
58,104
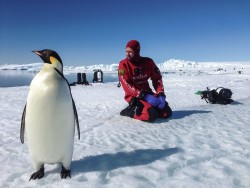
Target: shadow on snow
107,162
183,113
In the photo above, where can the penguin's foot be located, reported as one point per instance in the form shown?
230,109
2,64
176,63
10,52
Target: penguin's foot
39,174
65,173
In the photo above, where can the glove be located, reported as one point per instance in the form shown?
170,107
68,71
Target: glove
151,99
162,103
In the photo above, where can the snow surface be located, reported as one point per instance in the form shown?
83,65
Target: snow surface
202,145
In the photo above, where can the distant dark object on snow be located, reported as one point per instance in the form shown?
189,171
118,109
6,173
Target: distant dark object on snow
220,95
98,76
81,79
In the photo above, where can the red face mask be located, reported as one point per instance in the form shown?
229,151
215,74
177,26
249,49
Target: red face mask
133,50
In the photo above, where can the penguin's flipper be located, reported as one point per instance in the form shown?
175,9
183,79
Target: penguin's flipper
76,118
23,125
39,174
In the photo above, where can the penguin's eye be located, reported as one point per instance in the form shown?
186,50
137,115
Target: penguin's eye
53,60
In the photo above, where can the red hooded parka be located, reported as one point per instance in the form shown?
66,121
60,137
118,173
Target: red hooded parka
134,77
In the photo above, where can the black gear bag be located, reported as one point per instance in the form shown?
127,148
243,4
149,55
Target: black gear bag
220,95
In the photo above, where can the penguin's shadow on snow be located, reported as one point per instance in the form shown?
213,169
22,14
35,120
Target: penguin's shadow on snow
108,162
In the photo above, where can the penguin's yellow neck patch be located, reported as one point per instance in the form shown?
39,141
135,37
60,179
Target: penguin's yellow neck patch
53,60
55,63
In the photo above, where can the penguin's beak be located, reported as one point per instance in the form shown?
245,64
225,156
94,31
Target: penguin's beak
42,55
37,52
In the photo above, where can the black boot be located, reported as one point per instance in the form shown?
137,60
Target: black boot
166,112
130,109
135,108
153,114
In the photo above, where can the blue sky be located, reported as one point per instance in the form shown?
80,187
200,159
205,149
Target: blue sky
96,32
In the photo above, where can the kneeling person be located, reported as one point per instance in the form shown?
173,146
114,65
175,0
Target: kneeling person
134,72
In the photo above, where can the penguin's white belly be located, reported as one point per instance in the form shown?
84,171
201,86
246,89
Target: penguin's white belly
50,121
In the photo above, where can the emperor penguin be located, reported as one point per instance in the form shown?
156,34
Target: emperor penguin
49,117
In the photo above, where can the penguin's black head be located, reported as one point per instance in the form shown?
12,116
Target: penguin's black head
48,56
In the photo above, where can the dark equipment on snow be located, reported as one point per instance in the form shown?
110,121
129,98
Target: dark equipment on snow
220,95
119,82
84,79
98,76
81,79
